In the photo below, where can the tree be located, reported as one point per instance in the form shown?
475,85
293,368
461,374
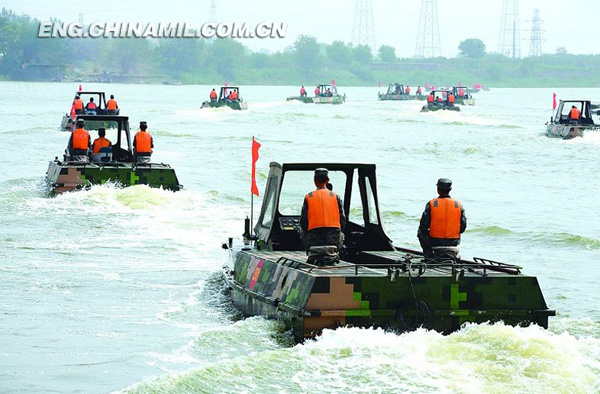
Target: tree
338,52
387,54
225,55
472,48
307,54
362,54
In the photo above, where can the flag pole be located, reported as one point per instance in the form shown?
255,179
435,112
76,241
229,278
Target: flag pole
251,214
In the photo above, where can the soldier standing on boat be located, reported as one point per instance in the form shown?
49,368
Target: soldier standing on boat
143,144
213,95
442,222
322,220
302,92
79,143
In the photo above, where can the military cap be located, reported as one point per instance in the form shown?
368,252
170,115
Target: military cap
444,184
322,174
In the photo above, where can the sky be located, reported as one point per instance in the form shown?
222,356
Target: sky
569,24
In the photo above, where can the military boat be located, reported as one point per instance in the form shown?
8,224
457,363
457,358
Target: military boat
375,284
113,164
396,91
223,100
562,126
440,102
100,100
462,99
328,94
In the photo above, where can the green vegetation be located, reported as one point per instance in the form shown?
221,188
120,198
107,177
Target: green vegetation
24,56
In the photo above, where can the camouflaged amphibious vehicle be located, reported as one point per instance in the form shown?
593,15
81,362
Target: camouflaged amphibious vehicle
328,94
224,100
67,121
115,164
396,92
562,126
375,284
440,98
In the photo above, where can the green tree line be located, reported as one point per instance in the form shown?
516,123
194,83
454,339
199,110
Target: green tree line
24,56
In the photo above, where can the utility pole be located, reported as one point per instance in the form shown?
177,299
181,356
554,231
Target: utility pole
428,34
509,43
535,46
363,32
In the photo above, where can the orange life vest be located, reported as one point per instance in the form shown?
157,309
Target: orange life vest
111,105
430,98
213,95
91,105
143,142
461,92
323,209
445,218
234,95
317,92
407,90
451,98
78,105
302,91
100,143
574,114
81,139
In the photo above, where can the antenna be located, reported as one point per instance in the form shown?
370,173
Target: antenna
81,18
428,34
535,46
509,42
363,32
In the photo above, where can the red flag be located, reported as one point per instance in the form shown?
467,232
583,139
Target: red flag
255,148
553,100
379,83
80,89
333,82
73,111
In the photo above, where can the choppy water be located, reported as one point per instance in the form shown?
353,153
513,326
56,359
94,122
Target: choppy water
109,290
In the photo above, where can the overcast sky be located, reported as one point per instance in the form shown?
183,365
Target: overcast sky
570,24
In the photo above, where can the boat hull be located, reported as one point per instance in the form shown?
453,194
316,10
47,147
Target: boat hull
568,131
68,176
235,105
433,108
398,97
335,100
309,299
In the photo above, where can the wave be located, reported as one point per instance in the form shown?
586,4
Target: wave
478,358
561,239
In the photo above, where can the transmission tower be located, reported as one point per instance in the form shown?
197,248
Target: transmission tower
428,34
509,42
363,32
213,11
535,46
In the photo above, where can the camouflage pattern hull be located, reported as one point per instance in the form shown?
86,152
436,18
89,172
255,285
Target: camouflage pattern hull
378,293
433,108
236,105
568,131
64,177
396,97
335,100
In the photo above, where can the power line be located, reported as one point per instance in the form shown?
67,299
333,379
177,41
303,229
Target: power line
509,42
213,11
363,32
428,34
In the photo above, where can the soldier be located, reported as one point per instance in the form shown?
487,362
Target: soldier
143,144
322,219
79,143
442,221
111,106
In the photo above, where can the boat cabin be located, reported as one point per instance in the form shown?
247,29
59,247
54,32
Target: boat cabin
99,99
323,90
466,93
117,132
287,185
225,90
396,89
563,112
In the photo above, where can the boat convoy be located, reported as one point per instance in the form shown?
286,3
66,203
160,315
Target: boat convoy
375,283
365,280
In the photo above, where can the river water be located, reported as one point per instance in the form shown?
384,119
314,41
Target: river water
118,289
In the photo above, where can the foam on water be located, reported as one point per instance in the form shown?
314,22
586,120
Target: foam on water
479,358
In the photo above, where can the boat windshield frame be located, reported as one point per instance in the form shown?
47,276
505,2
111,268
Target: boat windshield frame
99,97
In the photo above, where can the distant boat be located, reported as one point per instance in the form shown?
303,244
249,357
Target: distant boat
223,100
562,126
